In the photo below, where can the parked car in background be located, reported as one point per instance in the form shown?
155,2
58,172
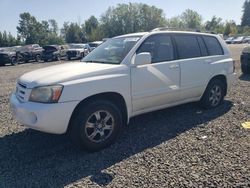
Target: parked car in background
245,60
229,40
8,56
78,51
54,52
125,76
238,40
246,39
94,44
32,52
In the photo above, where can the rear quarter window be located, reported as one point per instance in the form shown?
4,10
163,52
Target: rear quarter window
213,45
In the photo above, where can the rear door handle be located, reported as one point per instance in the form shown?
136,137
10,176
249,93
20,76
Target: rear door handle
175,66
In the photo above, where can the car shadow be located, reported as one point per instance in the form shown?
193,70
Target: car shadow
245,77
33,159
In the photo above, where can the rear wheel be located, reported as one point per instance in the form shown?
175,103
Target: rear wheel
214,94
14,61
96,125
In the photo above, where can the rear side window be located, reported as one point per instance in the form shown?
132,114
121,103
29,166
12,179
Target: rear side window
213,46
159,46
187,46
202,46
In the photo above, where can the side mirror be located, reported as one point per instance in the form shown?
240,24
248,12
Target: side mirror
143,58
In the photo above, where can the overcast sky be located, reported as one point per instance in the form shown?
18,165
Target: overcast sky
80,10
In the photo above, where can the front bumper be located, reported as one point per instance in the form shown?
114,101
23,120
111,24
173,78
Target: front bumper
74,55
50,118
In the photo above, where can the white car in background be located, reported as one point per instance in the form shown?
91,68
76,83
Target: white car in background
78,51
125,76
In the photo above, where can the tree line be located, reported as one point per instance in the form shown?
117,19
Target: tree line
118,20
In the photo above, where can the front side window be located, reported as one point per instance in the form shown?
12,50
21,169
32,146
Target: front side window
213,45
113,51
159,46
187,46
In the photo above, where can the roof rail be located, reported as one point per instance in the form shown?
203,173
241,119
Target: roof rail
174,29
182,29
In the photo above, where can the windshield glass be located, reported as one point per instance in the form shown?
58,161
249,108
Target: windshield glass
76,46
112,51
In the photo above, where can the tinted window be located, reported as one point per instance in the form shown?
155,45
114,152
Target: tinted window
213,45
159,46
202,46
187,46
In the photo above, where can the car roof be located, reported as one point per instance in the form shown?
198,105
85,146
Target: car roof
163,32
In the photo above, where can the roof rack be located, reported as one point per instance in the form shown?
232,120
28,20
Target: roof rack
174,29
181,29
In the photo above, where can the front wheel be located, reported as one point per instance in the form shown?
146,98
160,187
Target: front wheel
38,58
96,125
14,61
214,94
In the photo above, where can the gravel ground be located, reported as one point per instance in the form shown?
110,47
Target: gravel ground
176,147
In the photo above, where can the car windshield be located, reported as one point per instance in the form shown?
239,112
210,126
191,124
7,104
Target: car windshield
113,51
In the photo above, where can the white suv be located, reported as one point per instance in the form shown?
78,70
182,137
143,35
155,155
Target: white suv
123,77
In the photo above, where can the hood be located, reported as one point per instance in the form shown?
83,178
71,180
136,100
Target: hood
66,72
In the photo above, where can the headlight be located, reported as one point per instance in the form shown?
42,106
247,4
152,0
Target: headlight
46,94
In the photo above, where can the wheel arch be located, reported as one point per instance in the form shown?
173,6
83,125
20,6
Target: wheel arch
114,97
220,77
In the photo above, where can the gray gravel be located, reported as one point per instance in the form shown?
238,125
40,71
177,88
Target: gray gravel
182,146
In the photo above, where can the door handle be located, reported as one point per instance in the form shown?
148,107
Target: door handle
175,66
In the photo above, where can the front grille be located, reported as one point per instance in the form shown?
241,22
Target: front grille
21,91
72,53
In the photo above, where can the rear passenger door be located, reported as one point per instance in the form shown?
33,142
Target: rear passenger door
156,84
194,64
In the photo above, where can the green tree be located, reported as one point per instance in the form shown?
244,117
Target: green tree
230,28
175,23
29,28
129,18
74,33
214,25
53,26
191,19
5,39
92,29
245,21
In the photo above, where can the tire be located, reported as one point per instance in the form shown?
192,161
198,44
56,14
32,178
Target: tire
58,58
38,58
82,55
214,94
14,61
245,69
88,125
